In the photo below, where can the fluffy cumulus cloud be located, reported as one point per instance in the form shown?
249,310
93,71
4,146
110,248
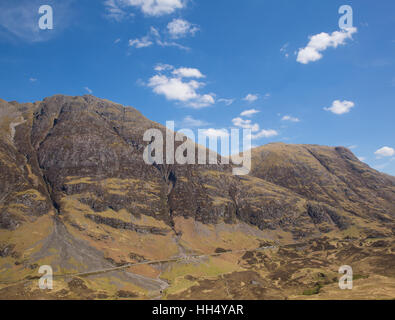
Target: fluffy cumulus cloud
245,124
157,7
341,107
251,97
179,28
322,41
143,42
188,73
174,88
117,9
385,152
179,85
290,118
202,101
162,67
264,134
249,113
256,132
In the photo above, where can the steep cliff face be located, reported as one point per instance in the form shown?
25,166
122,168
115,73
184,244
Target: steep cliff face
73,168
93,150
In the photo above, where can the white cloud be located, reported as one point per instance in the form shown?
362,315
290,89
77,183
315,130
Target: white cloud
155,32
32,79
116,9
290,118
245,124
88,90
308,54
228,102
188,73
175,88
257,133
202,101
152,37
179,28
117,41
251,97
284,47
341,107
385,152
161,43
264,134
352,147
157,7
163,67
249,113
284,50
190,122
221,133
140,43
320,42
267,96
164,43
362,159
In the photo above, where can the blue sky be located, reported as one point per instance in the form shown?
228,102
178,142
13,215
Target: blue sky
283,68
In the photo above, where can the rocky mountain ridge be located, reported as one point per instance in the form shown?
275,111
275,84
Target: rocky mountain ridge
72,167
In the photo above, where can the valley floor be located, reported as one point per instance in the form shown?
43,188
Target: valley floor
300,271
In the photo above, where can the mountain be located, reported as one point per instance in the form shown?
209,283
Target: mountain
76,194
